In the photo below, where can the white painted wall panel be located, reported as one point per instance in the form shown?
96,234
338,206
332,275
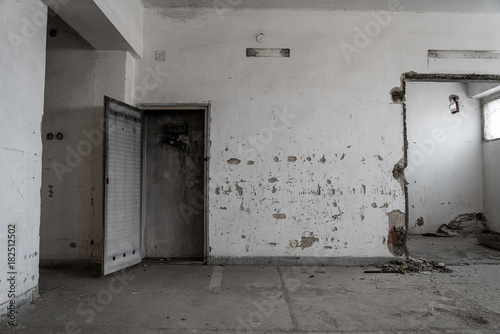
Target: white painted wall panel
22,67
491,161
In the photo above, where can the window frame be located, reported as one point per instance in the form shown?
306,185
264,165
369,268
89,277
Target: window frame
484,102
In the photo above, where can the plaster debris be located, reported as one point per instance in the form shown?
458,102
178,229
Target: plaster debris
411,266
469,224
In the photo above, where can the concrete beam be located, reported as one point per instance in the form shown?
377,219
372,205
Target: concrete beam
105,24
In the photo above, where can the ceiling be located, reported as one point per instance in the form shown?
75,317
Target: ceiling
454,6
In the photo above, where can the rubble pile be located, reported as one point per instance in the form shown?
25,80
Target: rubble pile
413,265
464,225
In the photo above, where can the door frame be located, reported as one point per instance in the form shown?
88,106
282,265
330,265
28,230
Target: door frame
205,107
398,94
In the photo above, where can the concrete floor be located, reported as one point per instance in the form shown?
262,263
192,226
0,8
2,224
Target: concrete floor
180,299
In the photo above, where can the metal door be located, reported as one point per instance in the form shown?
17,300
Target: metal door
174,179
122,235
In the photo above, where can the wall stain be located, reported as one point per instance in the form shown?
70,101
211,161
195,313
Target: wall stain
239,190
322,160
292,159
319,190
385,206
276,159
328,181
274,189
217,191
250,162
234,161
362,217
223,208
374,205
378,157
342,157
279,215
305,241
272,244
272,180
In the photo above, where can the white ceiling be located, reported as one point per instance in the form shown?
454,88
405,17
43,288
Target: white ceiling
461,6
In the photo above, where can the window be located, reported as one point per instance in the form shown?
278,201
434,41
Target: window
491,119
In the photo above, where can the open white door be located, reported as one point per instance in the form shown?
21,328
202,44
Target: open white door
122,235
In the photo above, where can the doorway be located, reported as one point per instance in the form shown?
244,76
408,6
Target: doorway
174,182
155,172
446,164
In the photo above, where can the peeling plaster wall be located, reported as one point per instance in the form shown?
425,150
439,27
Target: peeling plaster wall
491,161
445,167
78,77
316,135
22,67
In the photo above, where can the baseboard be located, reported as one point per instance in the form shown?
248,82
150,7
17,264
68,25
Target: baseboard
70,264
21,300
298,261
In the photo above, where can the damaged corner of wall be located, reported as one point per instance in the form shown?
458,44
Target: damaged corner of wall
396,240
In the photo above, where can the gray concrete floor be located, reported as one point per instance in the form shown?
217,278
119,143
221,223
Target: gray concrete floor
160,298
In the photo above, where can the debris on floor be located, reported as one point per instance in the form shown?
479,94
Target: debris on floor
401,266
470,224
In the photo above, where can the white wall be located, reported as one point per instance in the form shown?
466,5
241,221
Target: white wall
78,77
22,67
491,161
445,163
339,108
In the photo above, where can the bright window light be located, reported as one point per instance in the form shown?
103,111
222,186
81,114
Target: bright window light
491,116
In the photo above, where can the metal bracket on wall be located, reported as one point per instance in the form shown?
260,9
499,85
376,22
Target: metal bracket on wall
260,52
